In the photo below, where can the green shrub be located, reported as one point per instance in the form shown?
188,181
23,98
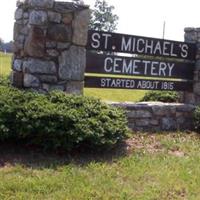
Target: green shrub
4,80
59,121
12,103
197,118
163,96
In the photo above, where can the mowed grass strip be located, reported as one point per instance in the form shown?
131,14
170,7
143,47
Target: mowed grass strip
162,166
5,64
115,95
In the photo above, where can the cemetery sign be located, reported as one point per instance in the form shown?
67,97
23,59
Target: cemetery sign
157,58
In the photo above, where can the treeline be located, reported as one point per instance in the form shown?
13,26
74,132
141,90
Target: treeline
6,47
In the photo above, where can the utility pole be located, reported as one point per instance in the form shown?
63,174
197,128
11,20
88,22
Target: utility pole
163,30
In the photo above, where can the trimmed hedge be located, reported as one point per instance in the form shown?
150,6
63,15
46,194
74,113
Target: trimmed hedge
163,96
59,121
5,81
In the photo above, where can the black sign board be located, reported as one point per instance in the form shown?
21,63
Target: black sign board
115,42
120,65
157,65
140,84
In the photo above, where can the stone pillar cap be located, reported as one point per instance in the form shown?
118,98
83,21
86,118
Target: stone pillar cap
189,29
65,7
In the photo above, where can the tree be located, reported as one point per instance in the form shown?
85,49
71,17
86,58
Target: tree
102,17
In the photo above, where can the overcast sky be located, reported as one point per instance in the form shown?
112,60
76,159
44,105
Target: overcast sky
137,17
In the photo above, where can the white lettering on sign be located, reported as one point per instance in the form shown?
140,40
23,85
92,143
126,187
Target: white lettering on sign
106,35
166,46
170,66
127,67
149,46
172,51
136,84
140,46
116,65
162,70
108,64
117,83
153,47
120,65
153,68
136,44
135,66
157,49
167,86
153,85
95,40
184,49
126,46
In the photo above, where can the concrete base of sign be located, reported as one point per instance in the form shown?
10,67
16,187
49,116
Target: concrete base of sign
158,116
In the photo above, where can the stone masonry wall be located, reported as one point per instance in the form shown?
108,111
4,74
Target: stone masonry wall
49,45
192,35
157,116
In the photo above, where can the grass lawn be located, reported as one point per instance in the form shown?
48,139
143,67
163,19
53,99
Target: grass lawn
118,95
146,167
5,64
161,166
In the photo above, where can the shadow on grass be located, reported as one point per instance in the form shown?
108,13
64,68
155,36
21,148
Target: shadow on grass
27,156
12,155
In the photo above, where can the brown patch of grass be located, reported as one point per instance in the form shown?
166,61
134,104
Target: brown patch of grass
147,142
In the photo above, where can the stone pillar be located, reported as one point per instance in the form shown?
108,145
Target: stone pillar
192,35
49,45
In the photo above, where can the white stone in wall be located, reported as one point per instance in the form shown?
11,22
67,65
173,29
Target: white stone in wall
75,87
72,64
39,66
38,18
18,14
31,81
80,27
26,15
17,65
